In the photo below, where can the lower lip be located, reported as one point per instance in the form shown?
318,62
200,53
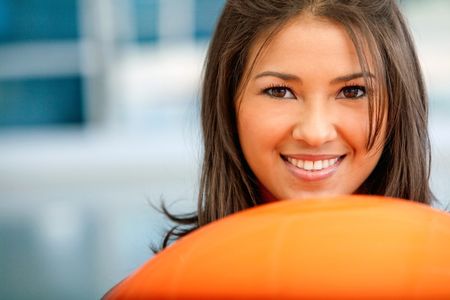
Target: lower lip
313,175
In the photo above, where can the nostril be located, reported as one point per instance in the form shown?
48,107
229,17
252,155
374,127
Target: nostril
314,133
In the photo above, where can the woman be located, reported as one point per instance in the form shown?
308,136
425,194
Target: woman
305,98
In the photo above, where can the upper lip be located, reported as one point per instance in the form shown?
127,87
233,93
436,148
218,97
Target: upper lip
311,157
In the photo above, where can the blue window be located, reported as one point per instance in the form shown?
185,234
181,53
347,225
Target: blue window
146,14
27,100
42,101
206,14
29,20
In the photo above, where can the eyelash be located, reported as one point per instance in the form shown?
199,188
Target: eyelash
353,86
270,90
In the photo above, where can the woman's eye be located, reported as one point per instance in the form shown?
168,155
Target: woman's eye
280,92
352,92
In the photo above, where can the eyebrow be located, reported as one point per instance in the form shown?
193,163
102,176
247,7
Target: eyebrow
284,76
351,77
292,77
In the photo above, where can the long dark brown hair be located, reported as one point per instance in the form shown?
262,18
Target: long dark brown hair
227,184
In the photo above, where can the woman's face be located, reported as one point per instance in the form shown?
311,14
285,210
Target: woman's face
303,116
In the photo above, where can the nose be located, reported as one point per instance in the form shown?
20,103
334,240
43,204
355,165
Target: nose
316,124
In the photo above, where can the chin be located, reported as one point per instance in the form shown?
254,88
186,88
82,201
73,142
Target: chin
315,194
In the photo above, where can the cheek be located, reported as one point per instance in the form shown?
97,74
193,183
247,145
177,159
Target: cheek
355,133
252,130
262,125
354,128
261,130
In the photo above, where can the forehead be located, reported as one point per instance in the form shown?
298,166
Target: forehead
306,44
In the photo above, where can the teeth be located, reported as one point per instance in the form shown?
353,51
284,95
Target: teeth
318,165
309,165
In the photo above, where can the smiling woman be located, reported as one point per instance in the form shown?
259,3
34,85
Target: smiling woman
303,115
309,98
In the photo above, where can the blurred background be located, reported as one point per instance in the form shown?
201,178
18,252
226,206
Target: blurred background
99,118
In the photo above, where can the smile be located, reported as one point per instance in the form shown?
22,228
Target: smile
310,165
313,168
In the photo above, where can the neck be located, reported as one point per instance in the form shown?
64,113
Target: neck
265,195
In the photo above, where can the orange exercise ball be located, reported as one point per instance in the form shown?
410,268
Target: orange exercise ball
349,247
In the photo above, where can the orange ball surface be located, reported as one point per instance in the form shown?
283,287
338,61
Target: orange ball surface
349,247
